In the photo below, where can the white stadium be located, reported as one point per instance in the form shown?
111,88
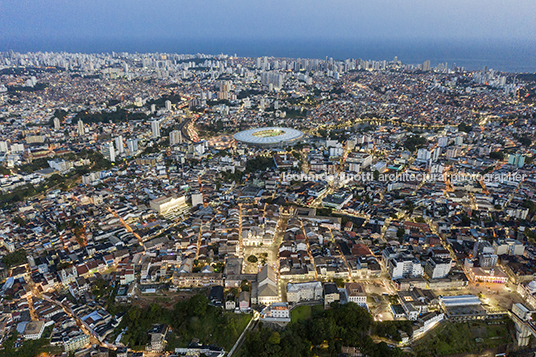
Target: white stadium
270,137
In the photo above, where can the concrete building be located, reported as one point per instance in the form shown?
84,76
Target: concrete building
331,293
175,137
34,330
264,290
155,129
437,267
80,127
119,144
132,146
308,291
278,311
108,151
167,204
508,247
405,266
356,293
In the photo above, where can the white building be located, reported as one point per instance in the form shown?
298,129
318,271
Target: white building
60,165
363,159
108,151
508,247
155,128
132,146
167,204
3,146
119,144
34,330
404,267
197,199
264,290
356,293
17,148
424,154
437,267
528,293
80,127
175,137
297,292
278,311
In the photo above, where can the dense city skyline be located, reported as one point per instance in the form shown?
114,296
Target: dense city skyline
471,34
267,179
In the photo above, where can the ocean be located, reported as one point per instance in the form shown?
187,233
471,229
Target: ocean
506,56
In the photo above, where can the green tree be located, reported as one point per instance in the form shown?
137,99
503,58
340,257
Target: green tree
16,258
464,128
275,338
415,142
244,285
497,155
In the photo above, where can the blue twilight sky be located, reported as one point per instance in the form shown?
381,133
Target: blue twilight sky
58,20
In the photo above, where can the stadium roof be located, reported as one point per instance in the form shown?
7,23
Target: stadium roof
268,136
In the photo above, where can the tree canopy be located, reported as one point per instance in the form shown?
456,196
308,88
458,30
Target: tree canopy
342,325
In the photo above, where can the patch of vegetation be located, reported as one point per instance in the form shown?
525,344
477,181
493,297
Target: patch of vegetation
391,329
29,348
324,334
456,338
161,102
4,170
18,257
260,163
301,313
524,140
193,318
465,128
36,88
497,155
415,142
118,116
35,165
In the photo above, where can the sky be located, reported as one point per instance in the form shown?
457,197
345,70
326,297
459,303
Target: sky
57,20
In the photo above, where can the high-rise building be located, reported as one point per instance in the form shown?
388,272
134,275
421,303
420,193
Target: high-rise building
108,151
119,144
168,104
175,137
57,124
3,146
155,128
424,154
80,128
426,66
132,146
516,160
274,78
452,153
